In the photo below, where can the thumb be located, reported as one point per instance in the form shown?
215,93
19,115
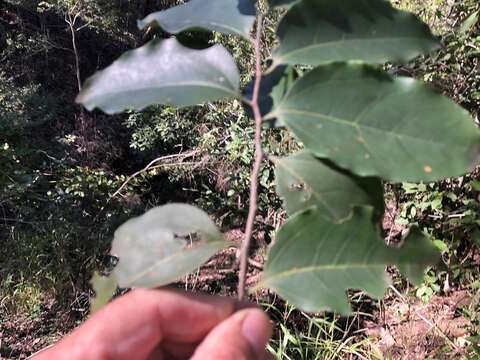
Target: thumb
242,336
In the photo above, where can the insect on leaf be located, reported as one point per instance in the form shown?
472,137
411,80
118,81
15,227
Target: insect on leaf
304,181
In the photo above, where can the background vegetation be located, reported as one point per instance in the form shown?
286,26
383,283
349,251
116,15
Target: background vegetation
65,182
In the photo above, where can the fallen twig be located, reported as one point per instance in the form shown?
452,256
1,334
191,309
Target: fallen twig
150,166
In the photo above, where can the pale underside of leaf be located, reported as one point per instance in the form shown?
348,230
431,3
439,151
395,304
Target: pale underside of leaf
162,72
304,181
314,261
226,16
321,31
376,125
163,245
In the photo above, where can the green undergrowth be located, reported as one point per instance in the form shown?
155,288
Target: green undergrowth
447,210
304,336
57,214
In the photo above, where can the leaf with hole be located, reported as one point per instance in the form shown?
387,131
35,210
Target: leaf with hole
163,245
375,125
162,72
320,31
226,16
314,261
304,181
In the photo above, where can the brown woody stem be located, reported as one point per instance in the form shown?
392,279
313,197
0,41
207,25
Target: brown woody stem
252,210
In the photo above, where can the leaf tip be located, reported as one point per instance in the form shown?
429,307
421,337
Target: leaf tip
142,24
104,287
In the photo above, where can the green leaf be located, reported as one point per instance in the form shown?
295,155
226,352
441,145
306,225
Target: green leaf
304,181
476,237
104,287
273,87
441,246
469,23
320,31
162,72
376,125
163,245
475,184
314,261
226,16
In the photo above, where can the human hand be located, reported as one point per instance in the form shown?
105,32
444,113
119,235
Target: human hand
168,324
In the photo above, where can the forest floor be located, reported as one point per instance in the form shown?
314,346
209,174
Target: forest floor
400,326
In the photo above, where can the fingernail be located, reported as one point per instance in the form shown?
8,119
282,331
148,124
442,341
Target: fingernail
256,329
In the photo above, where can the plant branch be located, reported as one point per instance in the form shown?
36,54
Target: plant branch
71,21
252,210
149,167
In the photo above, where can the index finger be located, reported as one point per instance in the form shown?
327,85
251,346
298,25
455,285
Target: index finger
133,325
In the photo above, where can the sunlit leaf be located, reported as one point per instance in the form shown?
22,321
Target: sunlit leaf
163,245
304,181
319,31
375,125
314,261
469,23
104,287
225,16
162,72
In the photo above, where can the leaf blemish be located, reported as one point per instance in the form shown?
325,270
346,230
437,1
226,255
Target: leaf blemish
307,193
427,169
296,186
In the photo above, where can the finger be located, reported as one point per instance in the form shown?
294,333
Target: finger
173,351
133,325
242,336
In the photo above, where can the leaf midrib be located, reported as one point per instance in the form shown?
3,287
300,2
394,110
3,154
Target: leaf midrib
359,127
288,54
342,267
176,84
131,280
